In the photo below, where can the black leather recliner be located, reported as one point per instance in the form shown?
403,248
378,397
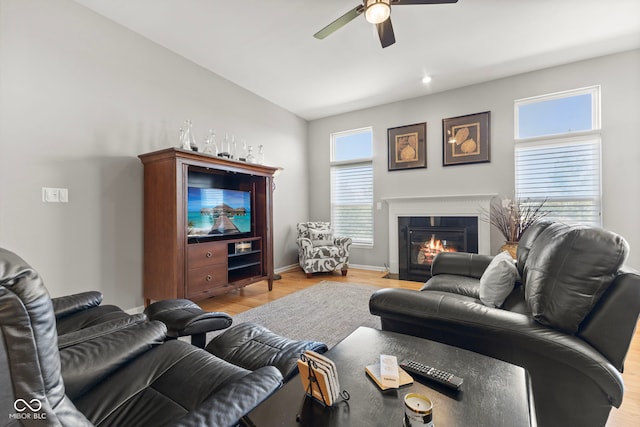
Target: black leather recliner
569,321
127,377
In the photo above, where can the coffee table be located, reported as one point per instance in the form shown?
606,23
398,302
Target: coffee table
494,393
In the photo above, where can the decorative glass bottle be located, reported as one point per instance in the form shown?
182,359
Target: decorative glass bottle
250,157
183,143
260,159
210,146
242,155
189,139
234,149
225,150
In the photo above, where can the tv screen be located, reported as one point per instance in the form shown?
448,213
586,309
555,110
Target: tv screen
218,212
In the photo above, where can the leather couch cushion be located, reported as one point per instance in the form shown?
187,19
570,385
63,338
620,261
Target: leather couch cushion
461,285
498,280
526,242
567,271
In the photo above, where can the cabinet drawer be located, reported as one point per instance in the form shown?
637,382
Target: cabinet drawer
201,279
206,254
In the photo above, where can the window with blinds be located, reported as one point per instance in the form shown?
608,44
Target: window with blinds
352,185
557,154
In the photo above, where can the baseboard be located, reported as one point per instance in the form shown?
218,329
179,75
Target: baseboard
368,267
286,268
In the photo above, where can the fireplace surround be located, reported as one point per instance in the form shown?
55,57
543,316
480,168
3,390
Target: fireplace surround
425,206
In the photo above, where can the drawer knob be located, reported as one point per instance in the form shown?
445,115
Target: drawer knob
209,277
209,254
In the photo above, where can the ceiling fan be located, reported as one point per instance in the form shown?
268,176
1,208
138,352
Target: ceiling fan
376,12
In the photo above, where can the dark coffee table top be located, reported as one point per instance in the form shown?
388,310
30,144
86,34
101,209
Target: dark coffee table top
494,393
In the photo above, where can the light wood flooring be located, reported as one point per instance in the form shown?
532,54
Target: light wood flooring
257,294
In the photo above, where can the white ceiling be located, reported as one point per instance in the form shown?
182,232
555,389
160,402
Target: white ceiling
267,46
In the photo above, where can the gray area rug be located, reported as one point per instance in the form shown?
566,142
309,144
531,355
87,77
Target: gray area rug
326,312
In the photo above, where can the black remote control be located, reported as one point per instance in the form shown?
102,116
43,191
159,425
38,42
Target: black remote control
447,379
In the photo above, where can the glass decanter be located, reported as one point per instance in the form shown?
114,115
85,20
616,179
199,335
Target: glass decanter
225,150
189,139
250,157
210,146
260,159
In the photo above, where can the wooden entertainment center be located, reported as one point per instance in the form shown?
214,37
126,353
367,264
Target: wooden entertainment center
179,264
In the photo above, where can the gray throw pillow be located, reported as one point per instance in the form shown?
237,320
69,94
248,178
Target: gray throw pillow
498,280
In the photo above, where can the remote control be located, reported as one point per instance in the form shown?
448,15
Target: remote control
447,379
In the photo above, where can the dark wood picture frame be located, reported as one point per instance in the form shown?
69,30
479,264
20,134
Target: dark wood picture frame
407,147
465,139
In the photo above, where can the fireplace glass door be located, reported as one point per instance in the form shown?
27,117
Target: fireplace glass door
422,238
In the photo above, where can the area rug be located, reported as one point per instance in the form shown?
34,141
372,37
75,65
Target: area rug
326,312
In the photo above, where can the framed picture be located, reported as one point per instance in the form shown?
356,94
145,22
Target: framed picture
465,139
407,147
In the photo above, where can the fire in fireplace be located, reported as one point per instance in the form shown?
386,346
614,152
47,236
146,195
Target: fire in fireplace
427,250
420,239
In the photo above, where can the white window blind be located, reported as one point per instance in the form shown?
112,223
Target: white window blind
557,154
352,201
565,172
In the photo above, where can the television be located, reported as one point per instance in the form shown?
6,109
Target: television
218,212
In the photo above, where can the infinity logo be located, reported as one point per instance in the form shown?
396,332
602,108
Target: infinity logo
21,405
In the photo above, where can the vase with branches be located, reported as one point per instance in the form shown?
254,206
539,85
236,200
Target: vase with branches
513,217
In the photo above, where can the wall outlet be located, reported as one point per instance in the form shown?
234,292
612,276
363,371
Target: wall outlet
55,195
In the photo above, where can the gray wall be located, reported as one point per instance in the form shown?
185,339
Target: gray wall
80,98
619,76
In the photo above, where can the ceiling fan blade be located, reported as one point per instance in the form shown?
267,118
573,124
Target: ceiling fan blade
394,2
340,22
385,32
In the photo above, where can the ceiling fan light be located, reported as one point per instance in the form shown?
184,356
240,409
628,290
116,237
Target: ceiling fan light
377,11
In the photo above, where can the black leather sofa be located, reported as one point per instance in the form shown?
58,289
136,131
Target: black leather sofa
127,375
569,320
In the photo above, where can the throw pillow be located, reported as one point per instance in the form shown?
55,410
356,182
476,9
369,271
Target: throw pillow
321,237
498,280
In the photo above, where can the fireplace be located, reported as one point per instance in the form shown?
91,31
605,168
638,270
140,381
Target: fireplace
462,205
421,238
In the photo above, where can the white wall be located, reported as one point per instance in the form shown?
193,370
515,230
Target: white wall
619,76
80,98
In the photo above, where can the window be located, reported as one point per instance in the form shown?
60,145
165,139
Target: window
352,185
557,154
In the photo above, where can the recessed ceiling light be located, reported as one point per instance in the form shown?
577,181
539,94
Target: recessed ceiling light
426,79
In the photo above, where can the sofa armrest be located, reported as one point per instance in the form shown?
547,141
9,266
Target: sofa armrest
184,317
460,263
233,401
89,362
69,304
508,336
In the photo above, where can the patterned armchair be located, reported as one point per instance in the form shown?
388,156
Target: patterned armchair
319,251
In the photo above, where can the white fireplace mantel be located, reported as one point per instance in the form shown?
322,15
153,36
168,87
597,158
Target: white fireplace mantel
458,205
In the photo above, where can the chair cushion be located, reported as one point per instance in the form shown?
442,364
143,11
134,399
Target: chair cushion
568,270
498,280
333,252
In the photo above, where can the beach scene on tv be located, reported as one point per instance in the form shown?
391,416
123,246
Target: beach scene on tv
218,211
